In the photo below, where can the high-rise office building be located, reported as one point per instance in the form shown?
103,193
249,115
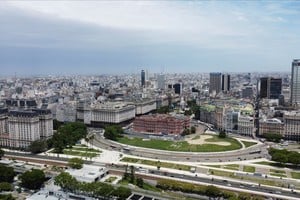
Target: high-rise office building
270,87
177,88
143,78
215,82
225,82
295,82
161,81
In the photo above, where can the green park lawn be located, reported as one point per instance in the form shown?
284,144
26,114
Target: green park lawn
183,145
157,163
248,144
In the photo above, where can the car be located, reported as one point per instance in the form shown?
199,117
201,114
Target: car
277,192
229,184
242,186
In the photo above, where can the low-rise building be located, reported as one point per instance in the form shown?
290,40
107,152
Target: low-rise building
161,123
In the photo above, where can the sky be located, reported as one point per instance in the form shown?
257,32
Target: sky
113,37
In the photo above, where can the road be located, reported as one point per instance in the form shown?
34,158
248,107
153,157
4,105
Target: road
155,174
242,154
223,183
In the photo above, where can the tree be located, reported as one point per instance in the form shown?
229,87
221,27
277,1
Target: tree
7,174
294,157
273,137
1,153
33,179
66,181
140,182
56,124
122,193
4,186
212,191
75,163
126,174
280,157
193,129
38,146
131,176
68,135
6,197
112,132
186,132
222,134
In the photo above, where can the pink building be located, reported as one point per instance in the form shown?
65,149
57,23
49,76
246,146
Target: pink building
161,123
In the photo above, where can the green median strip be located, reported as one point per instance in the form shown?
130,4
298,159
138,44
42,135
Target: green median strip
295,175
249,169
157,163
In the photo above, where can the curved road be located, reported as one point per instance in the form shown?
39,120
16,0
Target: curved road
237,155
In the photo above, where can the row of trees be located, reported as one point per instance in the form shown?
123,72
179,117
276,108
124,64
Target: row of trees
113,132
284,156
273,137
94,189
210,190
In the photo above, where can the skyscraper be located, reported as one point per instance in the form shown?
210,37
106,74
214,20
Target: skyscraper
215,82
143,78
270,87
295,82
161,81
225,82
177,88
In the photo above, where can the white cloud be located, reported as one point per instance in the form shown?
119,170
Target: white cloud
222,25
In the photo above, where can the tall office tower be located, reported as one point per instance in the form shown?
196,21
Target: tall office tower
225,82
161,81
143,78
264,87
270,87
295,82
177,88
275,88
215,82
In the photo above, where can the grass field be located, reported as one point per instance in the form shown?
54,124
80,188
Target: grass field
183,145
157,163
295,175
250,169
248,144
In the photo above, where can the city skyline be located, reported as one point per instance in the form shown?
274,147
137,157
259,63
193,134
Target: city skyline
40,38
